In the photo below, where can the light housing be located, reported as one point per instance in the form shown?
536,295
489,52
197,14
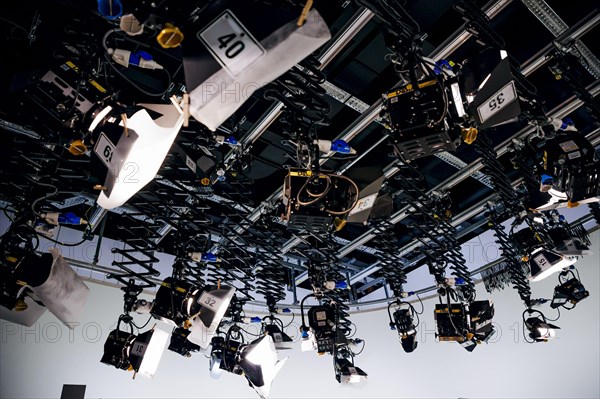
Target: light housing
404,324
256,360
539,330
260,365
281,340
468,324
545,263
570,290
180,344
131,149
141,353
205,322
47,279
175,301
347,373
321,320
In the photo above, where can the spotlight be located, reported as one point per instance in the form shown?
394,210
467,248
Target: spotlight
548,254
539,329
281,340
317,201
545,262
347,373
175,301
321,320
570,290
404,324
419,117
223,356
260,365
180,344
140,353
467,324
570,167
47,279
130,145
257,361
178,302
213,305
451,321
490,89
567,244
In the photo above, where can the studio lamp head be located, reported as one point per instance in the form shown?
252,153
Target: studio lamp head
281,340
130,144
180,344
176,300
260,365
257,361
141,353
47,279
545,262
213,305
569,291
566,243
347,373
321,320
403,322
539,329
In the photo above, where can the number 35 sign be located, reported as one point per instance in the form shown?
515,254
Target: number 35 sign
498,101
231,43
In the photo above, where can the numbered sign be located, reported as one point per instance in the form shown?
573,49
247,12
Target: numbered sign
105,150
364,204
139,348
231,43
189,162
497,102
542,262
209,301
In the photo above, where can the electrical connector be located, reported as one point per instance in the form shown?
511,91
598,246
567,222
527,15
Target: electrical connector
227,140
56,218
204,257
331,285
140,59
338,146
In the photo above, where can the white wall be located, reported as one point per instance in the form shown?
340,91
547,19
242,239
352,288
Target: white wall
35,362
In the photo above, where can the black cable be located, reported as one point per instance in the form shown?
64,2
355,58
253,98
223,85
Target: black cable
557,317
145,324
361,349
290,323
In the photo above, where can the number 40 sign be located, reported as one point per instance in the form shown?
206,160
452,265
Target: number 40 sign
232,45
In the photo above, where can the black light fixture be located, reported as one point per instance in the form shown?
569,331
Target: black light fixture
46,279
321,325
538,251
257,361
180,344
403,322
345,370
178,302
140,353
569,291
175,301
281,340
468,324
539,329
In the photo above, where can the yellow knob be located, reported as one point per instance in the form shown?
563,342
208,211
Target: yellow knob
20,305
77,147
469,135
170,37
